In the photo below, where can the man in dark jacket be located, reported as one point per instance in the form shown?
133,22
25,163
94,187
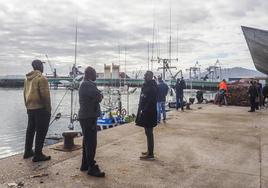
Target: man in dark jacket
37,101
259,98
89,99
264,94
253,93
179,87
161,99
147,114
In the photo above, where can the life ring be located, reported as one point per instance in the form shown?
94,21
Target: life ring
75,117
123,112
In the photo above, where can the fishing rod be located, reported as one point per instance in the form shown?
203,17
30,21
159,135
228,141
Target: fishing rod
58,115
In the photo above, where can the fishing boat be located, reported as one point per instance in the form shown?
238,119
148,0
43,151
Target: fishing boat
108,120
113,114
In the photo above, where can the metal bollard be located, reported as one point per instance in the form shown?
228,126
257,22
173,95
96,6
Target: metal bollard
69,139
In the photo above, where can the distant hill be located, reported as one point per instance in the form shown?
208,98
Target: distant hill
238,72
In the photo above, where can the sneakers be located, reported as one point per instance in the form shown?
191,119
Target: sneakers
95,171
251,111
147,157
42,157
28,154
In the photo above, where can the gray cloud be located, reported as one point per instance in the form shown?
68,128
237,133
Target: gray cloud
207,30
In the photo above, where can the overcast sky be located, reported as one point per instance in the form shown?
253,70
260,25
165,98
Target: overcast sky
202,31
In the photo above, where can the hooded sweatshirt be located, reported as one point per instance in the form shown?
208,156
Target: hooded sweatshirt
36,92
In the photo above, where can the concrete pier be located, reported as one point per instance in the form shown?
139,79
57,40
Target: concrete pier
206,147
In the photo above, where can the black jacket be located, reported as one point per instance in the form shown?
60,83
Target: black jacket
179,87
89,99
252,91
147,114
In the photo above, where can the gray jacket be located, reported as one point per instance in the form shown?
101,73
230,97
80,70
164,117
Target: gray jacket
89,100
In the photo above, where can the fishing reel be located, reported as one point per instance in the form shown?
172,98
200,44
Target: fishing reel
73,119
56,118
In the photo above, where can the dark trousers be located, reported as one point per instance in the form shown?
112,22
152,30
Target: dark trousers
222,97
263,100
38,122
89,130
150,140
179,102
252,103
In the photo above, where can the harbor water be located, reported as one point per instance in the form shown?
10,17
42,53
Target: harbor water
14,116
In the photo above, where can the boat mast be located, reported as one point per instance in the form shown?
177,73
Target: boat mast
125,76
148,47
170,32
153,39
177,40
166,62
119,61
71,127
125,79
75,50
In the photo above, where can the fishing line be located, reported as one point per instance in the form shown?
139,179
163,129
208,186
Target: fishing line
53,115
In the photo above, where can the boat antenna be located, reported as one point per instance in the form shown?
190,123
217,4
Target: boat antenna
125,76
71,126
170,32
158,43
153,39
75,52
177,40
148,47
119,61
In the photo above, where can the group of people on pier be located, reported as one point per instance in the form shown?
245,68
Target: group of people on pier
38,104
257,94
150,109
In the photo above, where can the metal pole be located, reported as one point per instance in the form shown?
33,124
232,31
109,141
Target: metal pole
125,65
178,41
190,72
164,71
72,95
119,53
127,100
170,32
72,85
148,47
75,52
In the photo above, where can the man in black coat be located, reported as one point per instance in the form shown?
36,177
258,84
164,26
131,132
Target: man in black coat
179,87
89,99
253,94
147,113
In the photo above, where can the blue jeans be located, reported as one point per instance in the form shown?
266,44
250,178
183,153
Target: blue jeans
161,109
179,102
